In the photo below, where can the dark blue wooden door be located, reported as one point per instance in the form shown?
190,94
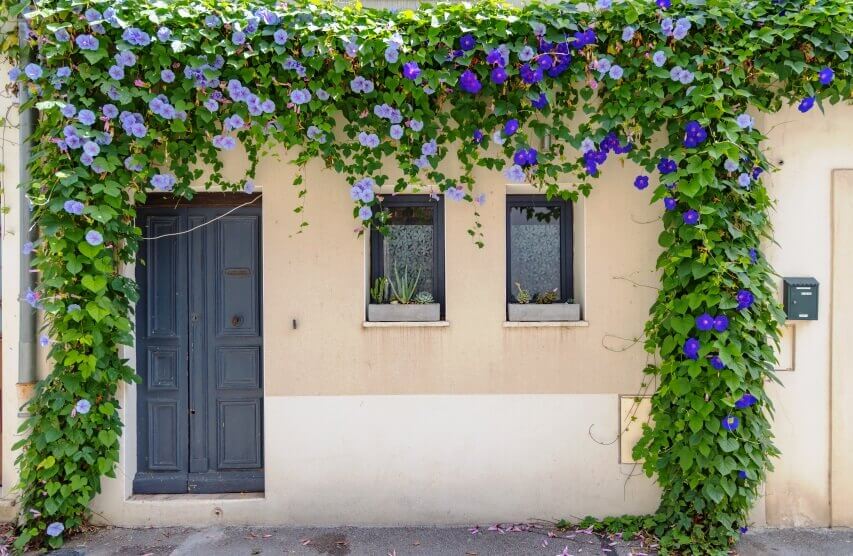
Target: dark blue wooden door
199,352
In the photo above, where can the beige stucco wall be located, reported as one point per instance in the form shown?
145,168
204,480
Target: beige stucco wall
475,421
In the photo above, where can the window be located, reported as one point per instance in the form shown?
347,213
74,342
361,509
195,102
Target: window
414,246
539,247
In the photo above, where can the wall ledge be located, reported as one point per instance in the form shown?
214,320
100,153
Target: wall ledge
426,324
546,324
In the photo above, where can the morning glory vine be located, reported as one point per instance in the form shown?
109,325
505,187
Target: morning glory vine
140,96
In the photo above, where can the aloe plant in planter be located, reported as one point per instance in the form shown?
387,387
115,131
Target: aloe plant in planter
405,305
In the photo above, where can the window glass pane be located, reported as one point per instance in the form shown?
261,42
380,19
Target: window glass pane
409,245
535,249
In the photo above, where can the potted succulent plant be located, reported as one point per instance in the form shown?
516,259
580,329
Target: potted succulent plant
541,307
398,300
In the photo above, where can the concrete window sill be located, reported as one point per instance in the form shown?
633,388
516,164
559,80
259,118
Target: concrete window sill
424,324
546,324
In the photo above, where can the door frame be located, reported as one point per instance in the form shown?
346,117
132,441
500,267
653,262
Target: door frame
187,482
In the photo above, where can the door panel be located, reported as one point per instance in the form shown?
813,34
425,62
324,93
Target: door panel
200,347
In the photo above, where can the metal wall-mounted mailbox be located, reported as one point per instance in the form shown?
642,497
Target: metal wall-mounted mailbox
800,298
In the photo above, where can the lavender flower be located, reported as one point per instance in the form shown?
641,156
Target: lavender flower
526,54
743,180
62,35
68,110
730,165
86,117
32,298
54,529
396,131
365,213
392,55
94,238
164,34
280,37
28,248
125,58
430,148
616,72
587,145
659,58
136,37
455,193
628,33
745,121
416,125
83,406
86,42
515,174
33,71
44,341
369,140
167,75
163,182
116,72
361,85
300,96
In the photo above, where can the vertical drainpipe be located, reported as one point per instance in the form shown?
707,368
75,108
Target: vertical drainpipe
27,330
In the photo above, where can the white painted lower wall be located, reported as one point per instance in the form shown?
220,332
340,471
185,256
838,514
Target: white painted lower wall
417,460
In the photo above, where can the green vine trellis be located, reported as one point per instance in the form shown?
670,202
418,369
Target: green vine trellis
141,94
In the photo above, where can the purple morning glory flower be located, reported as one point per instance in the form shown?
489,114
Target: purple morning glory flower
238,38
392,54
730,422
28,248
249,187
515,174
730,165
667,166
33,71
369,140
659,58
163,182
498,56
826,76
54,529
616,72
136,37
280,37
526,54
717,363
44,341
691,348
510,127
690,217
116,72
14,74
211,105
361,85
91,148
467,42
125,58
743,180
628,33
806,104
477,136
641,182
753,255
604,4
300,96
745,299
541,102
745,401
587,145
224,142
73,307
86,42
73,207
430,148
694,134
745,121
741,474
32,298
602,65
526,157
167,76
666,26
663,4
704,322
94,238
86,117
396,131
365,213
83,406
68,110
411,70
721,323
498,76
669,203
469,82
62,35
455,193
530,74
164,34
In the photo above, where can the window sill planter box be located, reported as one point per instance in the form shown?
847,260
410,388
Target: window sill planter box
544,312
398,312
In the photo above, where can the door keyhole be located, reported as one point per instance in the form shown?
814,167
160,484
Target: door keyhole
236,321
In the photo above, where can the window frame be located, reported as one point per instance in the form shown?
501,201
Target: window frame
377,241
566,240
